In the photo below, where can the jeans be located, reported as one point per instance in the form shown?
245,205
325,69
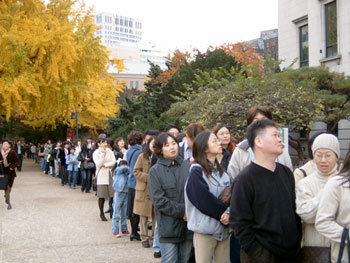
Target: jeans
119,211
20,157
63,171
156,245
86,179
72,176
42,163
53,172
176,252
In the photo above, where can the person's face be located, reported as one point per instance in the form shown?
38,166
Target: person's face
49,142
224,136
66,146
121,144
19,143
214,145
151,146
270,141
325,160
259,117
147,138
72,151
6,146
103,144
170,149
174,131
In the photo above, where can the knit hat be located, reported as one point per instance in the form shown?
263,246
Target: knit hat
326,141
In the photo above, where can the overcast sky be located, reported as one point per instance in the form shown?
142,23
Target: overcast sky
188,24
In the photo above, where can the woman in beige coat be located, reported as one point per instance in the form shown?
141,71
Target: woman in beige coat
310,189
142,204
333,213
104,160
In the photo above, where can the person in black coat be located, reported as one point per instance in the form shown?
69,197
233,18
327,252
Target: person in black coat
62,157
8,162
19,149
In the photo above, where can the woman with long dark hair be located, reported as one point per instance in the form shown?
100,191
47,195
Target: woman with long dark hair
207,215
333,214
166,182
224,136
9,161
143,204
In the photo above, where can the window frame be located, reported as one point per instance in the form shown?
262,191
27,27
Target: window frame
303,63
328,46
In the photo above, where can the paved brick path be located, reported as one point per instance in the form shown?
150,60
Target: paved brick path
50,223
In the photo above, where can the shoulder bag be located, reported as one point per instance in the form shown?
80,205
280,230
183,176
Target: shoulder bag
3,178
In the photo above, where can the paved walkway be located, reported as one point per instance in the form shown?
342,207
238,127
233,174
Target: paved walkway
50,223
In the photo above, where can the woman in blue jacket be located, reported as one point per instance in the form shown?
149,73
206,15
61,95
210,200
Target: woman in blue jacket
207,215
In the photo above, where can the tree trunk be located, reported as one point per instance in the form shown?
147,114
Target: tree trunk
295,143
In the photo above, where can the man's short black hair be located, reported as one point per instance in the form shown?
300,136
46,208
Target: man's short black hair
171,126
257,128
123,162
152,132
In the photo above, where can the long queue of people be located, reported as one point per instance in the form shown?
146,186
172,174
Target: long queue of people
199,197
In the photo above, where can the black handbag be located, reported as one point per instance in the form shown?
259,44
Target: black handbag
88,165
4,179
345,241
316,254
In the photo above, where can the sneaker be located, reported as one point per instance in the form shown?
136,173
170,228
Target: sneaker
117,235
126,233
157,254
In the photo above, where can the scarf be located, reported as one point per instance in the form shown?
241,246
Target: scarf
4,156
329,173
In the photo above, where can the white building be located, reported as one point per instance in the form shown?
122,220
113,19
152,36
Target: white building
115,29
316,32
123,37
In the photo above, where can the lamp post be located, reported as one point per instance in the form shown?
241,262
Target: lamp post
75,116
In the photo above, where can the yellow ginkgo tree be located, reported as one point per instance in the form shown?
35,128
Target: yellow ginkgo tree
52,64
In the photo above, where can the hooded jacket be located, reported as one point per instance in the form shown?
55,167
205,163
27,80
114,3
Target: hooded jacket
166,183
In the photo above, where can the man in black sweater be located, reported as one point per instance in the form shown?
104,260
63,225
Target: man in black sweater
263,201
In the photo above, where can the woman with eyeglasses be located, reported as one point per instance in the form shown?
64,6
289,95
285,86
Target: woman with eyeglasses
326,152
224,136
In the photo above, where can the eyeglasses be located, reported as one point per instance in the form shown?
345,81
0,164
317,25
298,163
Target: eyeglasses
327,156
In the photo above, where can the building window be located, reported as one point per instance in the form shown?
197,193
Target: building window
131,84
304,45
331,29
121,22
137,85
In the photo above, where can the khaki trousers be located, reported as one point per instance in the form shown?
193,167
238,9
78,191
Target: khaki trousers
145,235
210,250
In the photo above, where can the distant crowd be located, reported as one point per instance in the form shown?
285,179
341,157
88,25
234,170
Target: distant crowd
198,196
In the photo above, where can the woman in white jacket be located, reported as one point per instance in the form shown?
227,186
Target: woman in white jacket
333,213
325,150
104,160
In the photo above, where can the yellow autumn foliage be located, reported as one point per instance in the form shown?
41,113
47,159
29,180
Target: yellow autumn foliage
52,64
